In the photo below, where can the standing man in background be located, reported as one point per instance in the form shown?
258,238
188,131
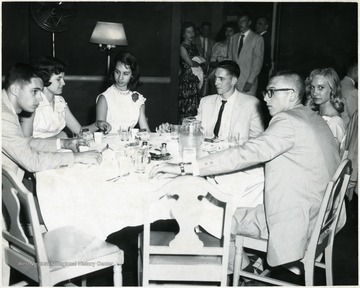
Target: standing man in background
349,89
262,27
204,44
247,50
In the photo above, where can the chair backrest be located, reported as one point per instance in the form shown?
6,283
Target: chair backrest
328,217
189,191
26,252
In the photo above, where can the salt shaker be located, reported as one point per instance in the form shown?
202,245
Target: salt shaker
163,149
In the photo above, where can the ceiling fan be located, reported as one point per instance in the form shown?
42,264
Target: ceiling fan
54,16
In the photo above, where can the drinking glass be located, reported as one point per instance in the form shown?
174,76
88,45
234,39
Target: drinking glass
175,130
140,161
124,133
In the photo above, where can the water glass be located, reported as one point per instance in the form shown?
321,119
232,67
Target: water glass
124,133
123,162
140,161
175,130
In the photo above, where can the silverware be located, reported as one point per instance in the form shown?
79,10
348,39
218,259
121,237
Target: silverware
114,179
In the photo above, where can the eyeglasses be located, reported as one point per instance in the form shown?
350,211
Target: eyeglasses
270,92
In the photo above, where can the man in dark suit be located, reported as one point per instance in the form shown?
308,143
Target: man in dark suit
262,27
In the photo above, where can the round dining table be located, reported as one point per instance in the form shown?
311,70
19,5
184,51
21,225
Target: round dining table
93,198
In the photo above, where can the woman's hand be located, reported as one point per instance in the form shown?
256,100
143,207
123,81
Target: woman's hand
103,126
163,128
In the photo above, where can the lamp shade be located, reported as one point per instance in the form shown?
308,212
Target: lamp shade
109,34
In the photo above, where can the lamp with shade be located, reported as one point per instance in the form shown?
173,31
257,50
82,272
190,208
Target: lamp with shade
108,35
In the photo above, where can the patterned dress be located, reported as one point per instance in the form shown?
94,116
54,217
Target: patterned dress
189,91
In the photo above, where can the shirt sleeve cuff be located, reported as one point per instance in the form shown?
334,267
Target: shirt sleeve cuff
195,167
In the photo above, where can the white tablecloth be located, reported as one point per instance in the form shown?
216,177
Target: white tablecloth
80,196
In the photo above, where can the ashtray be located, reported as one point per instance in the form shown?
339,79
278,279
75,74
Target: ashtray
159,157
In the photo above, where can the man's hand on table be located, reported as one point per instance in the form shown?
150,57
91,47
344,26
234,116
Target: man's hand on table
165,170
168,170
88,157
73,144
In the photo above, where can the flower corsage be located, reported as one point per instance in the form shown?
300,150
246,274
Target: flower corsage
135,97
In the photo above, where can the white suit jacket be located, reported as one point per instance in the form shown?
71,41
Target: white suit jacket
246,117
350,95
250,60
300,156
33,154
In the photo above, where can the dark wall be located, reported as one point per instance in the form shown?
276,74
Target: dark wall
148,28
308,35
314,35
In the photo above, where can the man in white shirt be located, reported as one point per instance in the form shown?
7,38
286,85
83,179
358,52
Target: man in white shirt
349,88
241,113
299,151
246,48
231,113
21,92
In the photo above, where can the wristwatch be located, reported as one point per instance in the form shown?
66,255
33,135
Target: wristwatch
182,168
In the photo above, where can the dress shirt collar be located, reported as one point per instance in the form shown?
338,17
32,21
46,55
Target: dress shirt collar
262,33
230,98
245,34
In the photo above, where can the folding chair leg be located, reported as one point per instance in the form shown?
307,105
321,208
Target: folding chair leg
238,259
328,265
117,275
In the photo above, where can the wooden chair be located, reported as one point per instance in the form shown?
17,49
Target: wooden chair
49,257
321,240
188,256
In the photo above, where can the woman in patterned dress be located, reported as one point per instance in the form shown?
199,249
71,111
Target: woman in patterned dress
189,83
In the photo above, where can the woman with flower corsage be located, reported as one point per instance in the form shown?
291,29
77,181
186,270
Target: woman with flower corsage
120,104
53,113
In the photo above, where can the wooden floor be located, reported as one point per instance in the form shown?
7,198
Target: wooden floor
345,260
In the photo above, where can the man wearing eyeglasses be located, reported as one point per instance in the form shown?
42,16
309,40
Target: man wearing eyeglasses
300,156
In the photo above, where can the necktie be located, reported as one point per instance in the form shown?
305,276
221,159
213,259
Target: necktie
218,122
241,43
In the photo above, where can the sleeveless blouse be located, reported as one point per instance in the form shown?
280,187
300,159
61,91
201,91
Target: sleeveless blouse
123,108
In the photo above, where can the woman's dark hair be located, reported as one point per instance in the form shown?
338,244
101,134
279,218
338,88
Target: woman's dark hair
46,66
221,34
129,60
184,26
